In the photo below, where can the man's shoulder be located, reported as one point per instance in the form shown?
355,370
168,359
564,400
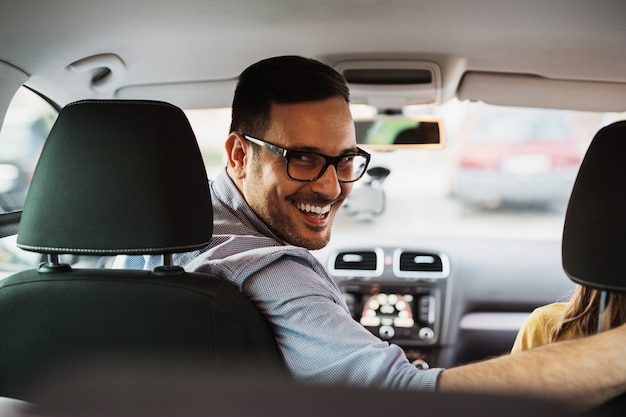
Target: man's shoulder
243,255
251,248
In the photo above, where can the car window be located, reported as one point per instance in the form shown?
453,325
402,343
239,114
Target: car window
505,172
522,125
211,127
512,182
23,133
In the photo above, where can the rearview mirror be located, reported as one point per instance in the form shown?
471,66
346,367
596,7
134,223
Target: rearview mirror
386,133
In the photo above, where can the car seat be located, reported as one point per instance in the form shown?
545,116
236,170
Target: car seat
120,177
595,226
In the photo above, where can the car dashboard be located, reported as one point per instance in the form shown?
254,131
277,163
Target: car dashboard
446,307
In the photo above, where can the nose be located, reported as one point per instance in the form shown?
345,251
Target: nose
328,184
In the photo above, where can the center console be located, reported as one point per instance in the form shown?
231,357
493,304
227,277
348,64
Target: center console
397,294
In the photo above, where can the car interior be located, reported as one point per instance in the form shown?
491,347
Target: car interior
496,132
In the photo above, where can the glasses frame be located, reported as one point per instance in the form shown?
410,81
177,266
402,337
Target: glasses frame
330,160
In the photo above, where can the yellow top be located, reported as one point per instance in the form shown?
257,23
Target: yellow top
536,329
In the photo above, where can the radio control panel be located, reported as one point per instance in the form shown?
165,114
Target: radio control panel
405,315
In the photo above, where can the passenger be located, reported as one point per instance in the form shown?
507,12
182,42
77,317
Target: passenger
276,200
569,320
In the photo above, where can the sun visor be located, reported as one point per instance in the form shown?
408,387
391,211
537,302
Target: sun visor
188,95
534,91
392,84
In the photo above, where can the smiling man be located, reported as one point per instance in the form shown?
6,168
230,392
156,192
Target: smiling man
290,118
289,181
292,160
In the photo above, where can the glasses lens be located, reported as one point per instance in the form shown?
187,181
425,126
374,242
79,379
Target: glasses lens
351,168
307,166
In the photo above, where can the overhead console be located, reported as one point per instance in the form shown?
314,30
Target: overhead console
398,294
392,84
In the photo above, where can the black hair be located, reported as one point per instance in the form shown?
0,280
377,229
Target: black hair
281,80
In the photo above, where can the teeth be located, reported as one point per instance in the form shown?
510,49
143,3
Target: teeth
309,208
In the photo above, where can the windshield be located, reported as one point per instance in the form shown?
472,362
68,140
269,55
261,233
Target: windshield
505,173
522,125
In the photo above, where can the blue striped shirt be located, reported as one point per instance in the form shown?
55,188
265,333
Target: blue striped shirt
319,339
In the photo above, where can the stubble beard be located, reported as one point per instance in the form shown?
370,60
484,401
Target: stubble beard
285,229
280,224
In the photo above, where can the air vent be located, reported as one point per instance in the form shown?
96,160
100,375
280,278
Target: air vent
362,261
420,261
357,263
418,264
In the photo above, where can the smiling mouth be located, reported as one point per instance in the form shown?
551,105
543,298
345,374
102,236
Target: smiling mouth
313,210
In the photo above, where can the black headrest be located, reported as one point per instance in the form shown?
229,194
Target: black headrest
594,234
118,177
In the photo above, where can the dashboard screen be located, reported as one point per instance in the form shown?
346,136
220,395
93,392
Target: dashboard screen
388,310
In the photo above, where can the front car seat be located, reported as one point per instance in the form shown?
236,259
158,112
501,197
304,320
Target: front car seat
595,227
120,177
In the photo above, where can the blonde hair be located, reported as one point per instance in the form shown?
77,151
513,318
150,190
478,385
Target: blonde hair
582,312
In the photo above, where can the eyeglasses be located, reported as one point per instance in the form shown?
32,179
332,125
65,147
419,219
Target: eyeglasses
309,166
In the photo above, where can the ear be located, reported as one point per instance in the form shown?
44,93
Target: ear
237,149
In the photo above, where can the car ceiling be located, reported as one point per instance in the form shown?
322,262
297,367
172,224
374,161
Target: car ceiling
189,52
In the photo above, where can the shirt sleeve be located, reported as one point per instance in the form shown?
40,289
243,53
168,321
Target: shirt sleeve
320,340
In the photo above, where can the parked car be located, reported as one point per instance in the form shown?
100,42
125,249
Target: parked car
518,156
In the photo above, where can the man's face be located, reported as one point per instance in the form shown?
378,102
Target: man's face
301,213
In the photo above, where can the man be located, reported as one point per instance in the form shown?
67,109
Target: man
292,160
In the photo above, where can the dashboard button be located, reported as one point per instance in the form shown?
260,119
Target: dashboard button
386,332
426,333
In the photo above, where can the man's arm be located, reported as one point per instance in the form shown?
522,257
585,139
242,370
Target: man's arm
583,372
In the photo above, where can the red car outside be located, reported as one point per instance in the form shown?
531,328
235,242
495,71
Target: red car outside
523,157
